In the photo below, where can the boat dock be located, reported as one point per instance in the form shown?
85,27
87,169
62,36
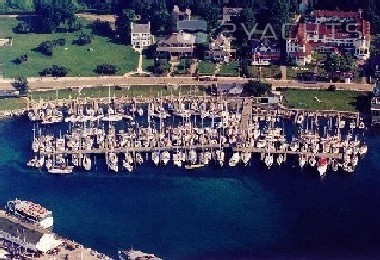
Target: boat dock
191,131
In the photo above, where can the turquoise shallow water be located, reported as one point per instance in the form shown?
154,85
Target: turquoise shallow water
241,212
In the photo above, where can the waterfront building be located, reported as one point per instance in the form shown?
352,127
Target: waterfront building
141,36
265,53
26,236
176,46
220,49
316,35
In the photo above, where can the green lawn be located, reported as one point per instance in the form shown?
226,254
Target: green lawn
78,59
330,100
147,63
12,103
206,68
230,69
291,71
264,72
135,91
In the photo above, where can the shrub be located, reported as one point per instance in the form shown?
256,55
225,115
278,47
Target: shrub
331,88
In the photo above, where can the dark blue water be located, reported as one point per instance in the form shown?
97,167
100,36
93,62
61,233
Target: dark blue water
241,212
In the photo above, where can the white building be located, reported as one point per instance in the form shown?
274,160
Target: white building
141,36
27,236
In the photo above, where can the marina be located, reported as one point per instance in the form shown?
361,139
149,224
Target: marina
191,132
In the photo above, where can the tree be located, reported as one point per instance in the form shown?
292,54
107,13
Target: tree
107,69
339,63
163,21
55,71
256,88
46,47
82,39
123,25
101,28
21,85
278,15
23,27
210,13
51,16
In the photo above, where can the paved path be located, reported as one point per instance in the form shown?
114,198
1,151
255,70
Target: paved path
52,83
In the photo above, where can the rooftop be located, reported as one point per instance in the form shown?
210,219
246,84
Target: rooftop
140,28
19,229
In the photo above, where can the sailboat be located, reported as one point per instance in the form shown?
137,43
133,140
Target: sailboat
87,163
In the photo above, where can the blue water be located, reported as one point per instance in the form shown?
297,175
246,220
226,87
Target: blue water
241,212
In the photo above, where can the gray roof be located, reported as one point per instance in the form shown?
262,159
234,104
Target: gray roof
192,25
16,229
141,28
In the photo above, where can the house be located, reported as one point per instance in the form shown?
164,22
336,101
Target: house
179,15
141,36
265,53
220,49
228,13
26,236
176,46
350,34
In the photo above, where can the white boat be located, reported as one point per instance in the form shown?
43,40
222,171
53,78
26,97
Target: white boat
220,157
300,119
127,166
234,160
165,157
177,159
139,159
156,158
193,157
30,212
32,162
269,160
312,161
294,145
61,169
113,162
280,159
112,118
335,165
363,149
245,157
87,163
355,160
193,166
301,161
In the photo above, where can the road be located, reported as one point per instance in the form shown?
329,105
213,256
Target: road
60,83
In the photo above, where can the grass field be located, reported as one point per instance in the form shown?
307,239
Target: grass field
12,103
230,69
264,72
206,68
78,59
133,91
147,63
330,100
102,92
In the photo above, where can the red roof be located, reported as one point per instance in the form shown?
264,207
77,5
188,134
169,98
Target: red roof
340,14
